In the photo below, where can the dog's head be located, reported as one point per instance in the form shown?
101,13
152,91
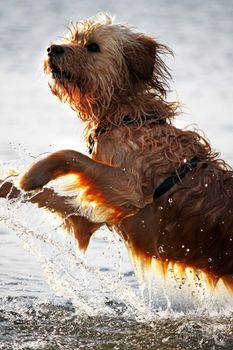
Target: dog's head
100,64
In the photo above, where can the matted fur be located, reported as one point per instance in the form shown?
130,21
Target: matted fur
117,82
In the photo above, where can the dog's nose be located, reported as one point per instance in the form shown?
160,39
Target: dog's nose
55,50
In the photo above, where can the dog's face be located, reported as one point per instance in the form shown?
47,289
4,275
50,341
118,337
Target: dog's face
100,63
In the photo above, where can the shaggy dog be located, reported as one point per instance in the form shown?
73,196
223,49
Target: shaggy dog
161,188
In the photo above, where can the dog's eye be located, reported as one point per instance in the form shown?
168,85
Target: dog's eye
93,47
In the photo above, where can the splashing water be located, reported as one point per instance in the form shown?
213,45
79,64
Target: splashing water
104,305
65,268
70,274
101,289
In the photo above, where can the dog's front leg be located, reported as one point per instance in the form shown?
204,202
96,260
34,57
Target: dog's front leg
48,199
103,193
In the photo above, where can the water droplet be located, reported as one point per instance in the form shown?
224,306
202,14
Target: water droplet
170,200
210,259
187,250
160,207
182,246
160,249
206,185
185,160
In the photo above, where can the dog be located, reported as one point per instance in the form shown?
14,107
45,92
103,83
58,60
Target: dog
162,189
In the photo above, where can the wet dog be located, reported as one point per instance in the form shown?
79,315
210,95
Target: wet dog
161,188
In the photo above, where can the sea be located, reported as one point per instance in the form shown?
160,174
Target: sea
51,295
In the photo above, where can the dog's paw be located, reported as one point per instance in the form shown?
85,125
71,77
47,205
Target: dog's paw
38,175
34,179
9,190
45,170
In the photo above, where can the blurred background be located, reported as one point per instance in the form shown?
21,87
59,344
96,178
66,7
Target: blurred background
199,32
33,121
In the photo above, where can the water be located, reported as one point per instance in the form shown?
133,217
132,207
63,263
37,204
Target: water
51,297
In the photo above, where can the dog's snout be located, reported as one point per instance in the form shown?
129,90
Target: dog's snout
55,50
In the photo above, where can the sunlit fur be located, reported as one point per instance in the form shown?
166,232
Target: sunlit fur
189,227
127,78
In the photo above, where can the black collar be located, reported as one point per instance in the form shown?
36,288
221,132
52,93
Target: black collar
170,181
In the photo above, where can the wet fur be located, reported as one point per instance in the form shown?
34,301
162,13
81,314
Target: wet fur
191,224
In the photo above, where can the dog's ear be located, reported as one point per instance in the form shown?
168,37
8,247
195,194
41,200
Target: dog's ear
142,55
